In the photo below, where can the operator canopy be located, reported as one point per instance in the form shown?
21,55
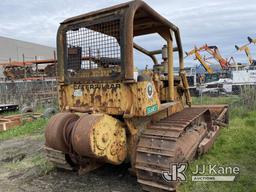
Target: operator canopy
137,15
105,38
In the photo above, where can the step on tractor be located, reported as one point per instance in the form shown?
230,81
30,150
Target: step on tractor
111,112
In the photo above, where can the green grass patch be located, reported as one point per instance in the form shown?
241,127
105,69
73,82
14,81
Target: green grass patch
10,113
236,108
44,166
206,100
37,161
234,147
28,128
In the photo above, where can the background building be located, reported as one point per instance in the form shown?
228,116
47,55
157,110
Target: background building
14,49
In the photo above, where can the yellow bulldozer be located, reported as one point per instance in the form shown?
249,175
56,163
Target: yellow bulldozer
111,113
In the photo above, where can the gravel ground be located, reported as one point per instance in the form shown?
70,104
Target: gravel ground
20,171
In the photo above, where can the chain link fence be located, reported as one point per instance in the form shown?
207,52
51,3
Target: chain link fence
240,98
43,93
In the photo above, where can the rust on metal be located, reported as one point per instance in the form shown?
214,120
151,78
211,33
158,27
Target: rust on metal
15,70
135,16
143,117
208,141
101,137
159,147
54,132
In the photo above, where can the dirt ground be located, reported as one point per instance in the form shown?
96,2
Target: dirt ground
23,168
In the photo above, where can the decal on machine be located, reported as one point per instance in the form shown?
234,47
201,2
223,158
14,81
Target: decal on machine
78,93
98,86
152,109
150,90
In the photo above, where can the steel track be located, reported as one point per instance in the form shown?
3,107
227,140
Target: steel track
159,147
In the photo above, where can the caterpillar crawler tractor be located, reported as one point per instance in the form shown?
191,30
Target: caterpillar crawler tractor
112,114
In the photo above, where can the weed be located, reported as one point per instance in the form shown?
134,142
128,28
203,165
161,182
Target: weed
28,128
234,147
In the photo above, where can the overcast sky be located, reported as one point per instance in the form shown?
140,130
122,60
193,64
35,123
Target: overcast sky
218,22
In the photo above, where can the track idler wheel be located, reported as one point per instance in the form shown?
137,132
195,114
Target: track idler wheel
58,130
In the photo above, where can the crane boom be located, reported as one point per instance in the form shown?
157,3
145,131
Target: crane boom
247,51
251,40
195,52
203,63
214,52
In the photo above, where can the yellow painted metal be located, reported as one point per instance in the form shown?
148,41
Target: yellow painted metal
205,65
115,112
170,69
186,87
247,51
111,98
141,99
201,60
251,40
108,140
